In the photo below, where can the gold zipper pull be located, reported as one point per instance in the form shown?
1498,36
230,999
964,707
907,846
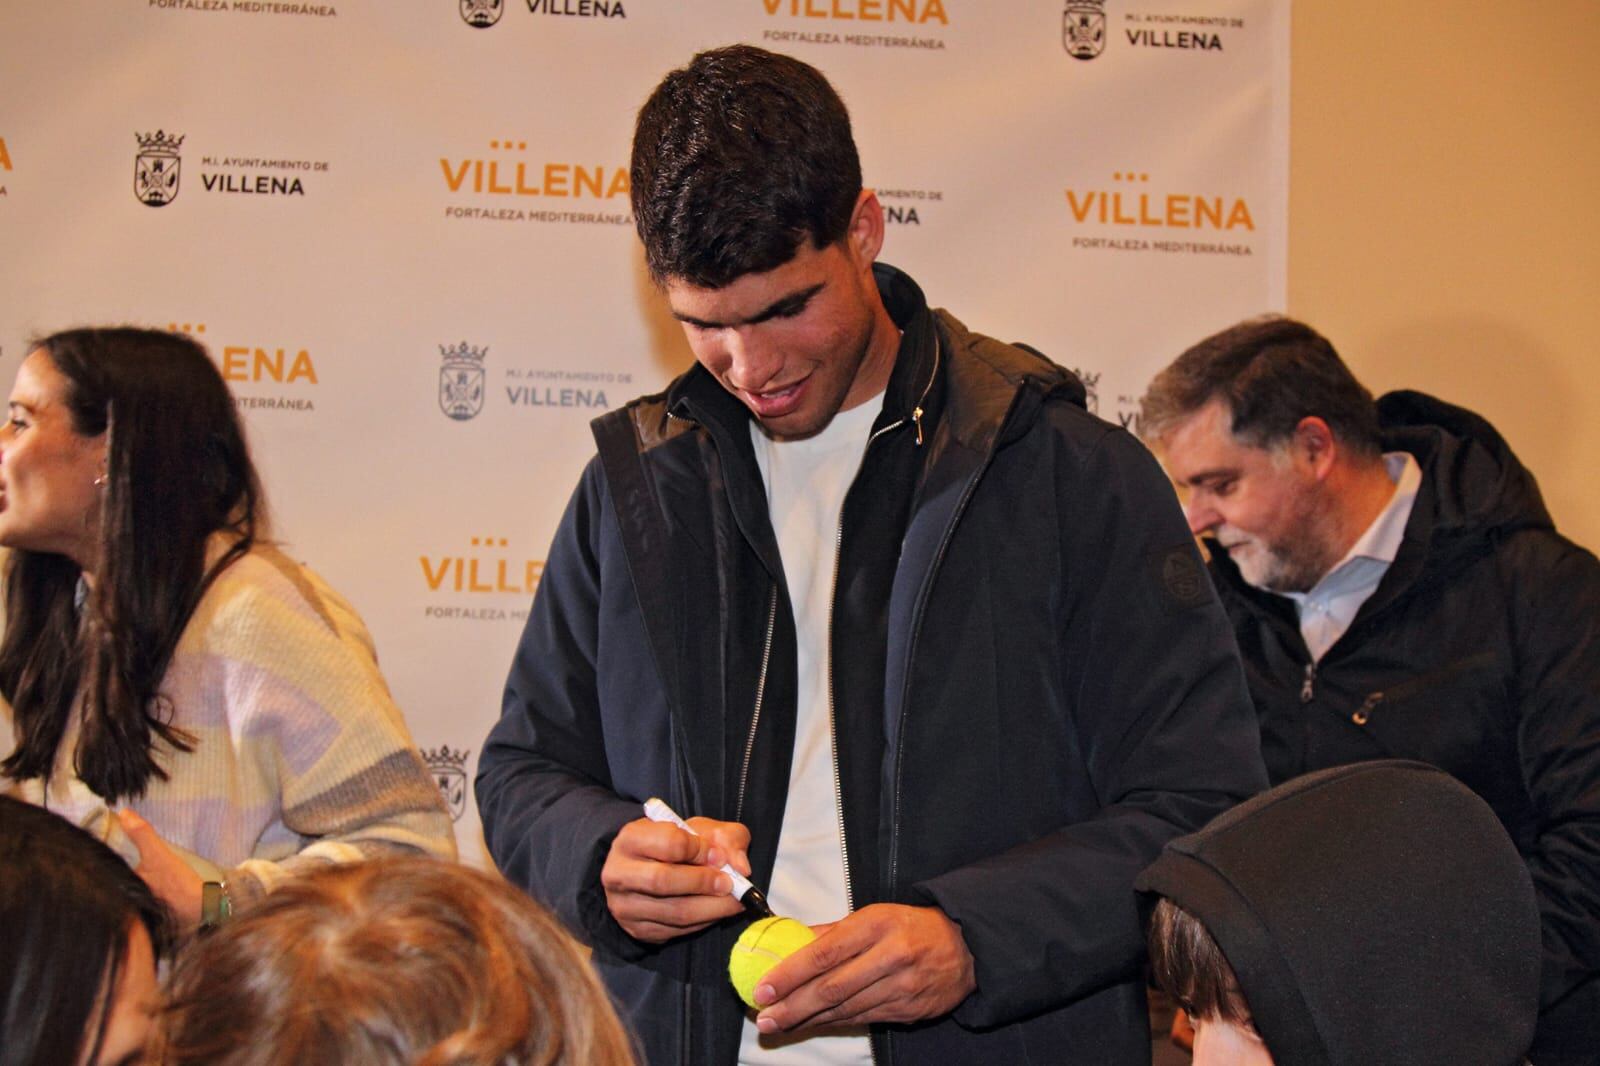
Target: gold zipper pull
916,418
1364,712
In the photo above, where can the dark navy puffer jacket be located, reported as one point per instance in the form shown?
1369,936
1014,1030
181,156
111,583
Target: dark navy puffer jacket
1034,689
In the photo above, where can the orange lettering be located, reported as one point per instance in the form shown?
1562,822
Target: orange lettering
494,178
1178,211
234,367
453,180
272,365
581,177
302,368
555,179
433,579
1079,213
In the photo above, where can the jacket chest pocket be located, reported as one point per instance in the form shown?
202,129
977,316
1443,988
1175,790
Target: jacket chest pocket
1455,717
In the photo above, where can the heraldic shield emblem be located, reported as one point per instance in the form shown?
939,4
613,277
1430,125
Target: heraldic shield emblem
1083,28
449,770
461,381
156,167
481,14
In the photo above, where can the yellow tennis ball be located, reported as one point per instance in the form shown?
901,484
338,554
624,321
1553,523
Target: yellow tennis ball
761,947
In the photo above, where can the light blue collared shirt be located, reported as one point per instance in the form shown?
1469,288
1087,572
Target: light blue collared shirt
1328,608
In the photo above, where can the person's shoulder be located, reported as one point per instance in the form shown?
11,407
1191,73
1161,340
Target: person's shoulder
651,419
1536,555
990,373
265,589
1007,364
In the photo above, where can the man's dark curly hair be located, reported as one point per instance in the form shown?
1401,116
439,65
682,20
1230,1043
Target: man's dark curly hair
737,159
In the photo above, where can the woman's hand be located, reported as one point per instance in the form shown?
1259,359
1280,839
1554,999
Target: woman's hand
169,877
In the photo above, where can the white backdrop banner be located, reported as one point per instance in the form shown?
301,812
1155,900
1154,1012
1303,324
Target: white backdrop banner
402,229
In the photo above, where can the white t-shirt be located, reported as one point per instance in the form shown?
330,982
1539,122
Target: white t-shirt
806,482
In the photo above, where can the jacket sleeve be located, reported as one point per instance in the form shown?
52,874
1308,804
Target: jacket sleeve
1165,733
1554,588
544,789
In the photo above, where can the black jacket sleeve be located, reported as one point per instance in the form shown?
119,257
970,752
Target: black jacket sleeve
1164,727
1554,590
544,790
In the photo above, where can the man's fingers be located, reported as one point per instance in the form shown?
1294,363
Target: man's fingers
838,994
660,842
729,842
654,919
884,963
842,942
648,877
656,885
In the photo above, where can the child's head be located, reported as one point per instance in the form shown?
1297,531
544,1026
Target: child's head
391,962
1372,913
79,937
1189,966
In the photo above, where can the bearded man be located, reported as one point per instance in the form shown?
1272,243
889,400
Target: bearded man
1398,590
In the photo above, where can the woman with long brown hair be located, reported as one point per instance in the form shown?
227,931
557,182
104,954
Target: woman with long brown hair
176,684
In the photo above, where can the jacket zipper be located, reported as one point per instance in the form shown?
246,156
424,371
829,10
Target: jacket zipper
686,1045
833,725
1363,714
833,593
911,655
761,695
1307,685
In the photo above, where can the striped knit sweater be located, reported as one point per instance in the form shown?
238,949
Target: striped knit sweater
301,756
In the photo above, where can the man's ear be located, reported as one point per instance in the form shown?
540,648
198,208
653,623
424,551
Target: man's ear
1315,445
864,238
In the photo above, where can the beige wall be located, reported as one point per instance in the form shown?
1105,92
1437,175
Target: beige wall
1445,214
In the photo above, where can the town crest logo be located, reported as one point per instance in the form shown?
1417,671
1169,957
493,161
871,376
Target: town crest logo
1083,28
481,14
461,381
449,769
156,168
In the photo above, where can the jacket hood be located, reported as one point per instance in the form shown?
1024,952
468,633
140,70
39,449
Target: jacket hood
1373,913
1478,481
